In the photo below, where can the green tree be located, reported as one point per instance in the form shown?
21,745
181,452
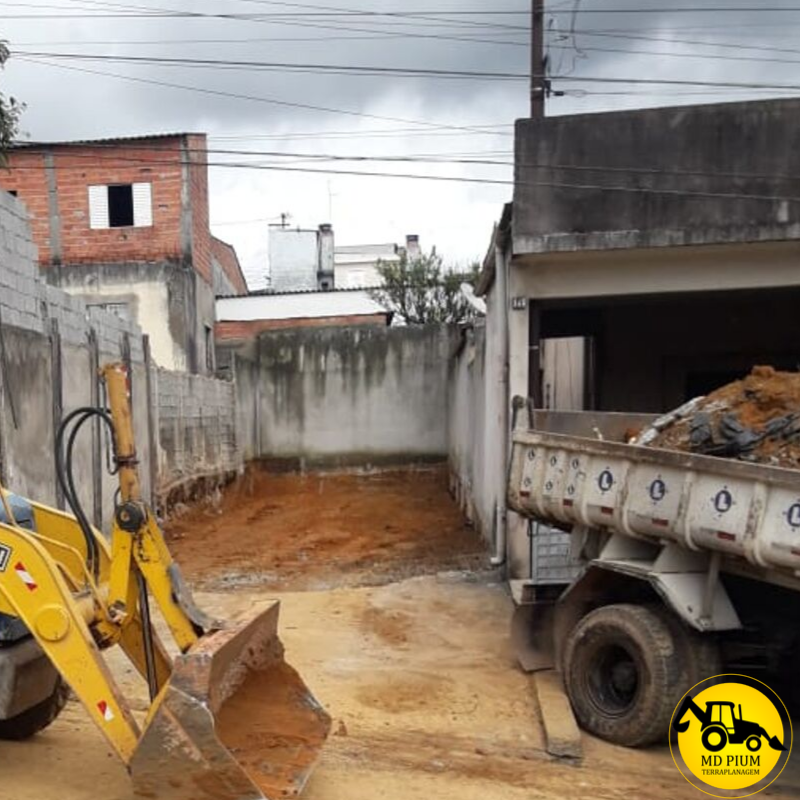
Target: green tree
420,291
10,111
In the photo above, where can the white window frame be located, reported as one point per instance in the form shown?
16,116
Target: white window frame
142,194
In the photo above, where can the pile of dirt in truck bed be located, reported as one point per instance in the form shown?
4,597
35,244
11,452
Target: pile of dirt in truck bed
756,419
316,530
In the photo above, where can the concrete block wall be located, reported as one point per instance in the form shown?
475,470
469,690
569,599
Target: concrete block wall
28,303
20,289
50,345
196,429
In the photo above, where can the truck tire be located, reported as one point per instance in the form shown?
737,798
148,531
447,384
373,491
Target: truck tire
623,674
699,652
36,718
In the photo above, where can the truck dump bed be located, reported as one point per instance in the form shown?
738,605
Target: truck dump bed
748,512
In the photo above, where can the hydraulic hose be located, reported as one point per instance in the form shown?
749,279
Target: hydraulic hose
66,476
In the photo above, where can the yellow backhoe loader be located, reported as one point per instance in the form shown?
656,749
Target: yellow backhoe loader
228,718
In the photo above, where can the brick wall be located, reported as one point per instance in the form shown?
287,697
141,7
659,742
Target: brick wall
228,277
76,167
240,330
29,180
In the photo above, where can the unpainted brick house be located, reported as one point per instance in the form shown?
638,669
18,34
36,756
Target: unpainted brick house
124,224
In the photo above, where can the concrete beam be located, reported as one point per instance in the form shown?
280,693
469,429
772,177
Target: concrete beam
560,728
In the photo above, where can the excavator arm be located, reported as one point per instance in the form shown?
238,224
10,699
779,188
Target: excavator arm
228,690
687,705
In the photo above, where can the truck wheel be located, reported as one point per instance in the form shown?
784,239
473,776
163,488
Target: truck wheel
714,738
623,674
699,652
753,744
36,718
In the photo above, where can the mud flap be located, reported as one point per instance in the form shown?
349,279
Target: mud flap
234,722
532,636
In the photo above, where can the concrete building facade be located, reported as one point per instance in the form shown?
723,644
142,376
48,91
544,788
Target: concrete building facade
241,319
124,225
642,249
357,264
300,260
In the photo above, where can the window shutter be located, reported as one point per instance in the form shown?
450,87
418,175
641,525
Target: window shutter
98,207
142,205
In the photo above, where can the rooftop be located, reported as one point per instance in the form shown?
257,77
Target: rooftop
111,140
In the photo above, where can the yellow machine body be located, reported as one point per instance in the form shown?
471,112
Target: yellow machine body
228,719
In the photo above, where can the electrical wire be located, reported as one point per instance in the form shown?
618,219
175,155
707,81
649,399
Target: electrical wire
464,179
421,158
261,99
278,65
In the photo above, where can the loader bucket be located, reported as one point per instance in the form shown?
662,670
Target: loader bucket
234,722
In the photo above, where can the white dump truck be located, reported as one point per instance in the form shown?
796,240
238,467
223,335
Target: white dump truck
681,566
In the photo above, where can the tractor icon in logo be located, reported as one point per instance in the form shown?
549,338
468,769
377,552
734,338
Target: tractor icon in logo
720,726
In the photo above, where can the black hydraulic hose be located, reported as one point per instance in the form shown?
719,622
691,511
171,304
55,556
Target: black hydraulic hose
66,478
67,486
77,507
147,637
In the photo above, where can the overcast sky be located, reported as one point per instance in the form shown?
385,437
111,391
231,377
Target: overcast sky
375,116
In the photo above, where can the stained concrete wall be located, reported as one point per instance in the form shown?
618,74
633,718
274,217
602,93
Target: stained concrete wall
470,473
167,299
345,395
657,177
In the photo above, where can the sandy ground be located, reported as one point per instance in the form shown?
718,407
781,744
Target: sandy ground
426,702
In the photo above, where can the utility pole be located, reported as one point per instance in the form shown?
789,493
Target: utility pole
538,78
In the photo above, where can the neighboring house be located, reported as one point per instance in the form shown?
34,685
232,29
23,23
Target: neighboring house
240,319
300,259
357,265
659,248
123,224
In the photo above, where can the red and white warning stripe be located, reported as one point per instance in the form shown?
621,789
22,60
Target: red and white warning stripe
105,711
25,576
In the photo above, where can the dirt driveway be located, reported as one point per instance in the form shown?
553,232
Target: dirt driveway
426,701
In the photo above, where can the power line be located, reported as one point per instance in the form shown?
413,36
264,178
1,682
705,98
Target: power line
421,123
451,178
694,42
435,158
366,70
388,133
418,14
675,82
282,66
261,99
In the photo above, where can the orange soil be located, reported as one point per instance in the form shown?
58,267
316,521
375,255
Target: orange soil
762,396
274,729
303,530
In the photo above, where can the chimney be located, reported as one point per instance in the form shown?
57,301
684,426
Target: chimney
325,265
412,246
